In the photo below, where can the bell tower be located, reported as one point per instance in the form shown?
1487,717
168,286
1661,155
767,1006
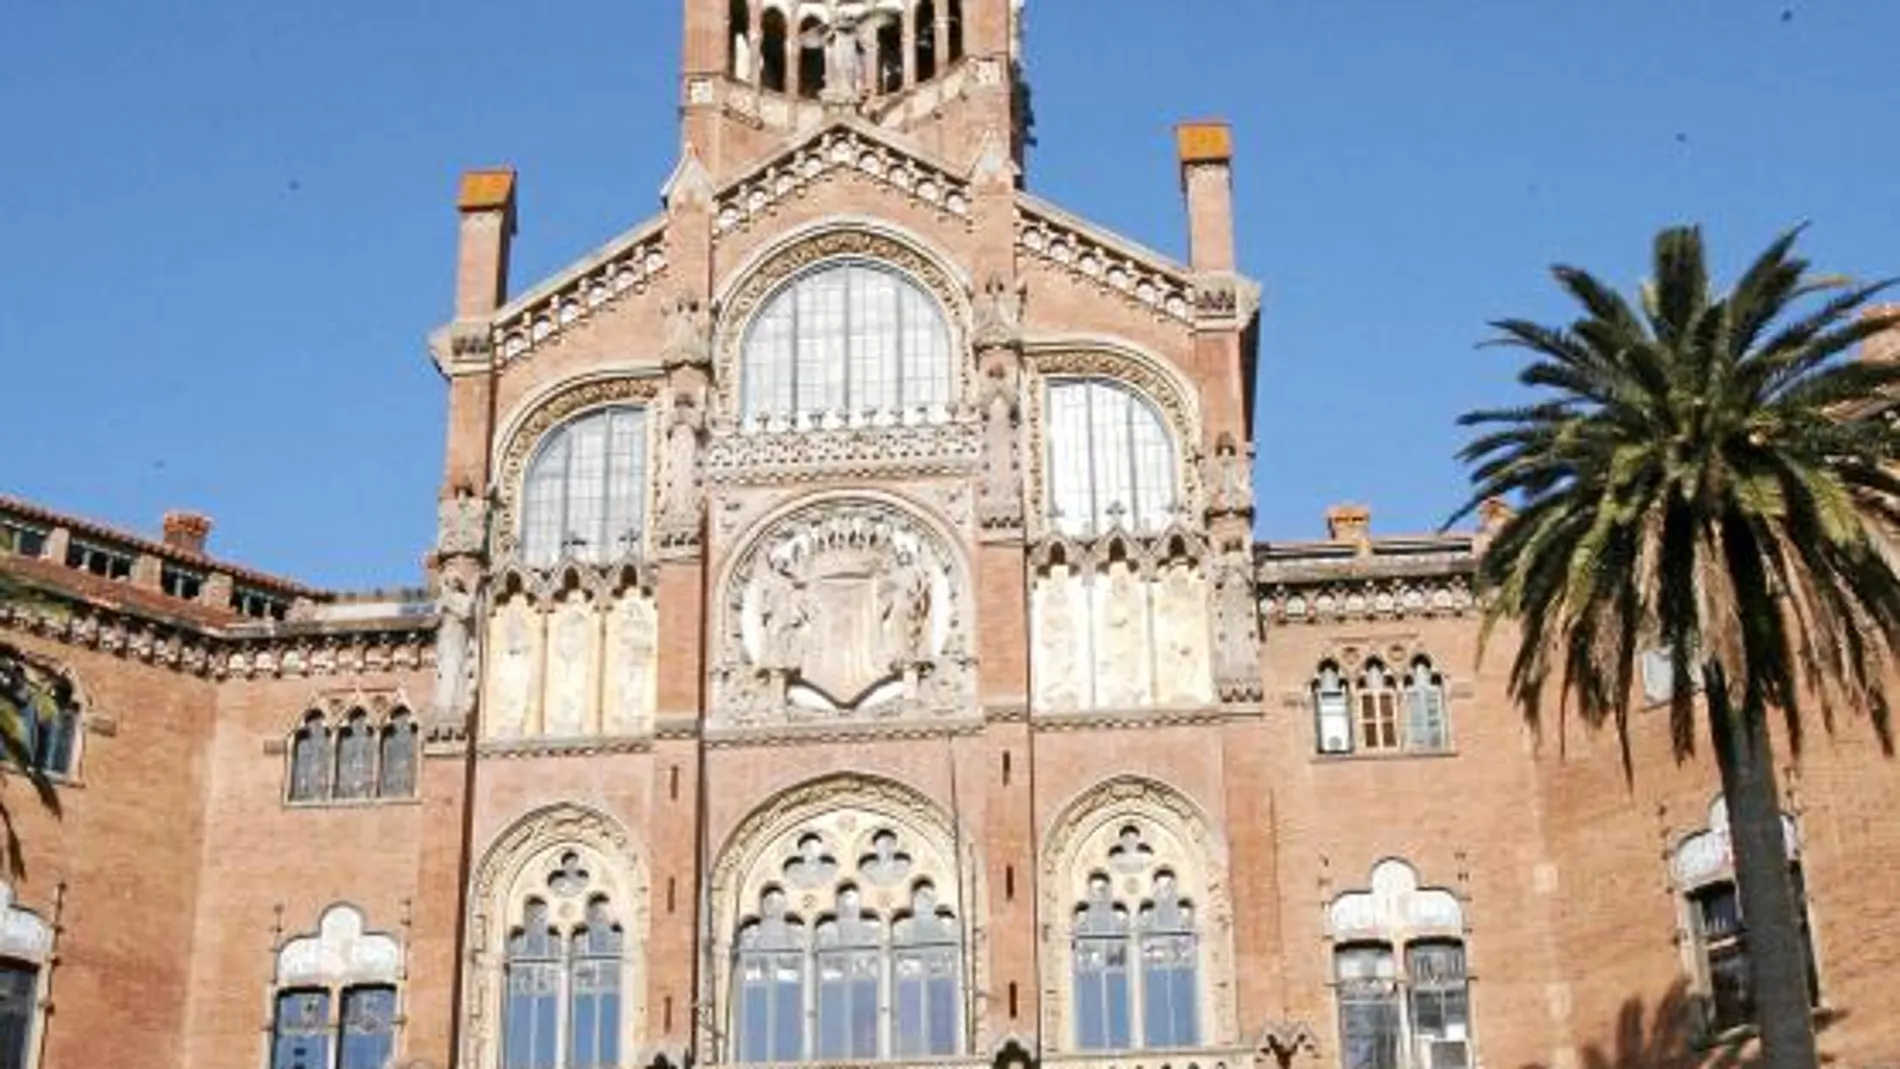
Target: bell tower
759,74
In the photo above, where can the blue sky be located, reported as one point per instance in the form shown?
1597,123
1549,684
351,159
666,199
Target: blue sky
227,226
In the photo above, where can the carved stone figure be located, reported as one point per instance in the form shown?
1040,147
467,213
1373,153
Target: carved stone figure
1236,629
686,334
460,523
786,614
1122,654
1058,639
454,648
997,314
634,641
570,667
1001,491
512,644
1229,478
1182,672
906,596
679,496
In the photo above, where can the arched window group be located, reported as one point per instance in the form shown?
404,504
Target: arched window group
356,759
1380,713
1110,459
853,985
584,493
335,1004
1136,960
846,340
1400,978
907,45
49,733
563,988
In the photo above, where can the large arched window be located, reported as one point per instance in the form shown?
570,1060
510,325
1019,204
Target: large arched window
310,760
848,339
1136,985
584,494
1111,463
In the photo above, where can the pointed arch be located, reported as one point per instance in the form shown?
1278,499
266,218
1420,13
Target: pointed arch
1134,872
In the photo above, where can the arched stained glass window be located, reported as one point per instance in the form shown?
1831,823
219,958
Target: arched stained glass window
356,757
1378,710
584,494
594,991
300,1036
398,767
310,760
771,982
1169,963
368,1028
848,339
530,1016
849,969
1111,460
924,975
1102,993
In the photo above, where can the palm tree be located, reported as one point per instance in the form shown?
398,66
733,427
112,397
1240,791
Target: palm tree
1697,473
28,699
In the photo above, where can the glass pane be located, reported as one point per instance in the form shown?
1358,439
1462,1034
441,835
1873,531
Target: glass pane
355,759
768,362
874,340
820,342
626,482
369,1027
399,758
1071,490
1733,1000
543,503
309,759
19,988
301,1038
584,531
1368,1007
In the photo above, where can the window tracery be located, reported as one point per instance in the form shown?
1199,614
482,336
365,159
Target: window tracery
1144,961
1378,711
558,930
353,748
1399,974
842,932
334,1003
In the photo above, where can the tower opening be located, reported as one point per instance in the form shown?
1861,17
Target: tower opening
926,22
772,63
741,61
811,58
890,57
954,16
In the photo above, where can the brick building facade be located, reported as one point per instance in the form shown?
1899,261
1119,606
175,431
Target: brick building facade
847,641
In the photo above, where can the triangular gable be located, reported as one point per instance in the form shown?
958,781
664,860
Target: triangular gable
630,263
846,142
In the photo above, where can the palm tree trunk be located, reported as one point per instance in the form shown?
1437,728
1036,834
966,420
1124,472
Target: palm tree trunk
1777,953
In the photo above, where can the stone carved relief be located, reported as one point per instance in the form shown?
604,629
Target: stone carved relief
527,434
1236,627
680,471
1001,492
837,244
686,334
571,655
341,951
454,649
1088,851
843,608
1228,476
562,846
1394,908
1121,624
461,523
849,151
780,452
803,852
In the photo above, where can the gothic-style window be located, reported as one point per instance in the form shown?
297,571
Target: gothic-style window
890,58
1366,981
356,757
849,968
530,1013
19,995
301,1032
924,974
397,771
926,31
955,29
1331,710
1170,990
1378,710
771,982
585,491
847,339
1111,463
310,760
1441,1003
368,1027
772,64
1721,941
594,991
50,741
740,62
1425,722
811,58
1102,993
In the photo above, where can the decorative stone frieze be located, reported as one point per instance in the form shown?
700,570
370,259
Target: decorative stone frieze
1142,278
873,449
629,266
1369,599
840,149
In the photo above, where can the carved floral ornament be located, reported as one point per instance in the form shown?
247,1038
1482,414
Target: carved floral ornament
546,415
841,608
856,242
565,856
341,951
1138,840
1394,908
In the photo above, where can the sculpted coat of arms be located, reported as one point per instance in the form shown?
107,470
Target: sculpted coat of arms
853,608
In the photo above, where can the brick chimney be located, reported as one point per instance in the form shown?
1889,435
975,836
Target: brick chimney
1207,180
187,531
487,205
1350,523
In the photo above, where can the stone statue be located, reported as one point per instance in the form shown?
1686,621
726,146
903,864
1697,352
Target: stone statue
634,643
513,670
1229,478
1000,496
786,614
678,498
570,667
460,522
1122,659
1236,628
907,595
686,333
1058,637
454,648
998,314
